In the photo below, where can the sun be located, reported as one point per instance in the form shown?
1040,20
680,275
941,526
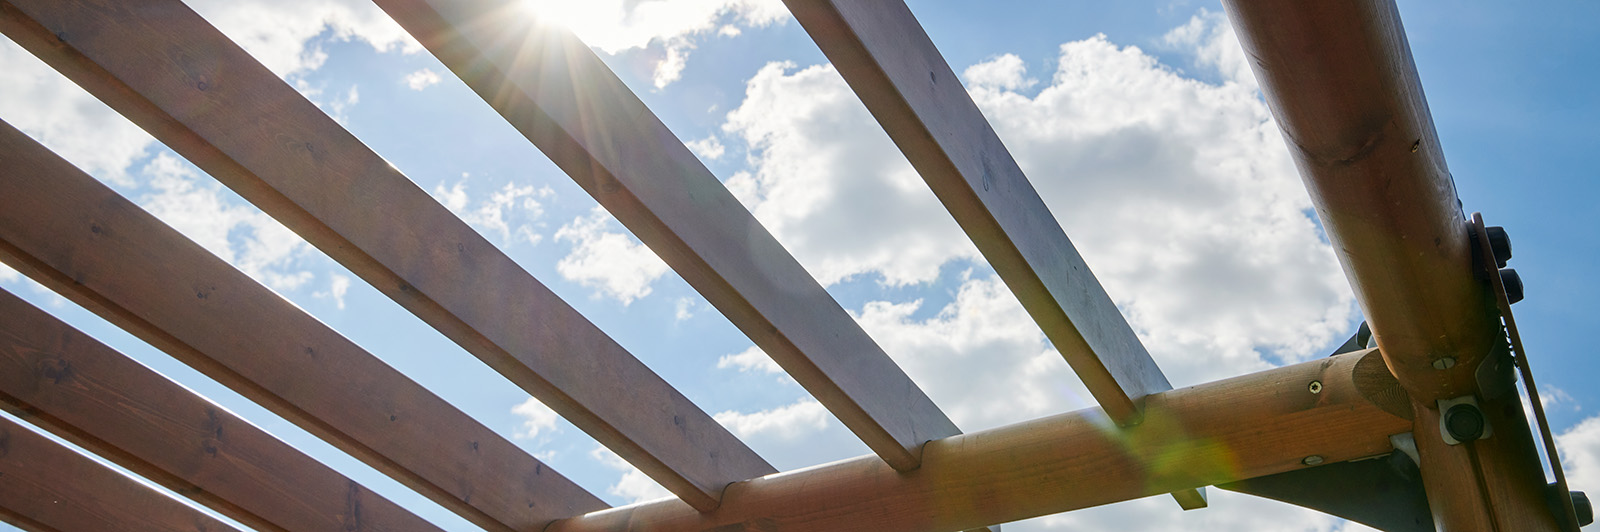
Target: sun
593,21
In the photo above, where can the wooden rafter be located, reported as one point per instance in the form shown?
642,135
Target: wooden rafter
886,57
62,380
228,114
1342,84
1244,427
45,487
75,235
558,93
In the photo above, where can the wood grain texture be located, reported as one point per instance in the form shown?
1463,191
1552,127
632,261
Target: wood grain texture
1341,81
1239,428
887,58
166,69
1342,84
558,93
71,233
49,488
60,379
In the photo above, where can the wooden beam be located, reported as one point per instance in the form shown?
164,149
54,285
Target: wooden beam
1341,81
558,93
71,233
47,487
886,57
229,115
87,393
1254,425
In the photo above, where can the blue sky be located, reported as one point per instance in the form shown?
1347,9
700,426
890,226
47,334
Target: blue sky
1136,120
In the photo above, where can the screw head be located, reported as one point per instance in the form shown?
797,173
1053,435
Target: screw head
1315,459
1316,387
1465,422
1444,363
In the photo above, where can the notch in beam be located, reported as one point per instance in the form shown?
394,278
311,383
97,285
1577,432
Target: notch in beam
233,118
558,93
62,380
69,232
48,487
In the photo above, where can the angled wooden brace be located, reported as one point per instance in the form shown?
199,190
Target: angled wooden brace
166,69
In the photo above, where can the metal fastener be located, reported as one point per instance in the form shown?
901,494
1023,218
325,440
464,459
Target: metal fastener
1315,459
1444,363
1316,386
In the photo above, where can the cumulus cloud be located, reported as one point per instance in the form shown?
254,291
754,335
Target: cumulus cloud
283,34
7,274
709,148
1212,40
62,116
672,28
536,418
1178,192
633,486
804,417
513,212
751,360
606,260
1580,454
245,237
422,79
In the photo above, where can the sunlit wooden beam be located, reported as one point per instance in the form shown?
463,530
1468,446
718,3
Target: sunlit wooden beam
66,230
558,93
45,487
886,57
60,379
166,69
1244,427
1341,81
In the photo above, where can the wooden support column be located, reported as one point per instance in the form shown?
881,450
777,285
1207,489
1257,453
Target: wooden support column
166,69
64,229
45,487
1248,426
1342,84
558,93
62,380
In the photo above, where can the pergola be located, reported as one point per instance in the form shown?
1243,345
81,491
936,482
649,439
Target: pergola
1415,426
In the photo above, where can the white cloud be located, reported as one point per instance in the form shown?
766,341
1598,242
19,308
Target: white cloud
1003,72
62,116
245,237
786,422
1179,193
1579,446
338,286
682,310
536,418
512,211
709,148
671,26
608,261
752,360
1211,38
633,486
7,274
280,33
422,79
831,186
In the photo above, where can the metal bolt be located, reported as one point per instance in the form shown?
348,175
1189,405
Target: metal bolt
1416,146
1316,386
1315,459
1444,363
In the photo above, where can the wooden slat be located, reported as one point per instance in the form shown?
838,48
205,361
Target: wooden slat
83,391
1342,84
166,69
47,487
1239,428
558,93
886,57
68,231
